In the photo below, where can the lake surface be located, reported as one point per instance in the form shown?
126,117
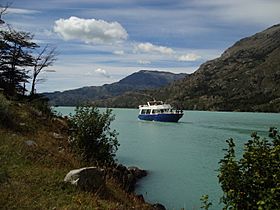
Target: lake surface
182,158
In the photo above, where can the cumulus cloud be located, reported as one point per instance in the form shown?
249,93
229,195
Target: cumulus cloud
143,62
118,52
189,57
102,72
90,30
149,47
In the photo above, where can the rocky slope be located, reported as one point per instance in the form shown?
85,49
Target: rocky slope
246,77
141,80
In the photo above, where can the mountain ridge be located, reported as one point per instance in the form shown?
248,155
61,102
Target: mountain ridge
246,77
141,80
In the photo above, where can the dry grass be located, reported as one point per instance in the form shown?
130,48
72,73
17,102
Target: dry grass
31,177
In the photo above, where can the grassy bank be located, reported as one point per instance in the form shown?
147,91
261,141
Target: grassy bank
35,157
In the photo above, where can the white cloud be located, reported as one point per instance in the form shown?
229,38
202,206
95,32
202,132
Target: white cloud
102,72
249,11
47,32
149,48
118,52
189,57
90,30
88,74
144,62
21,11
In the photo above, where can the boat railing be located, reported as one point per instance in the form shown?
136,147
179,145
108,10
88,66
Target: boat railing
155,103
160,110
168,112
175,111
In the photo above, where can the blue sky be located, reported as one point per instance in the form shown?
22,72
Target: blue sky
102,41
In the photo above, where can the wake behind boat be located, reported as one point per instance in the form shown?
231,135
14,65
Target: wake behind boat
159,111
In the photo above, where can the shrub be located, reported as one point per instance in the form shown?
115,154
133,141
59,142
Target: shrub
40,103
91,136
6,117
253,182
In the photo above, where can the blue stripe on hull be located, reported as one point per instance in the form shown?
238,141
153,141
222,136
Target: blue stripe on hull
160,117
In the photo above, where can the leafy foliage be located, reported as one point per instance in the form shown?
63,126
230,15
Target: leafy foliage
253,182
205,202
40,103
15,56
91,135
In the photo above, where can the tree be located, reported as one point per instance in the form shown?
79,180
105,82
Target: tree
3,11
91,136
253,182
44,59
15,52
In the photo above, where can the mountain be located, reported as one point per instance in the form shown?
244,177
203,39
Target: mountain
140,80
246,77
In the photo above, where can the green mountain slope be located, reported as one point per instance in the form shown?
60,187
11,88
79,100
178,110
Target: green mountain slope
246,77
141,80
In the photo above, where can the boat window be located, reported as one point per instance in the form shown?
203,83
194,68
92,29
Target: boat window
143,111
148,111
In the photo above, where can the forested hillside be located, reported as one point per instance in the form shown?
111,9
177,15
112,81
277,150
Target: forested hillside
246,77
141,80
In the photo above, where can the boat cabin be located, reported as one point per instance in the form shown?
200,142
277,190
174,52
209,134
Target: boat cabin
159,111
157,107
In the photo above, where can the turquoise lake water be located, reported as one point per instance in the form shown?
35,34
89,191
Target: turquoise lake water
182,158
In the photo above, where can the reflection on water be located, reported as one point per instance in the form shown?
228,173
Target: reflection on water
237,130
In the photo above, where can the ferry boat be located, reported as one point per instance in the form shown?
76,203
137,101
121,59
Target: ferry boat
159,111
